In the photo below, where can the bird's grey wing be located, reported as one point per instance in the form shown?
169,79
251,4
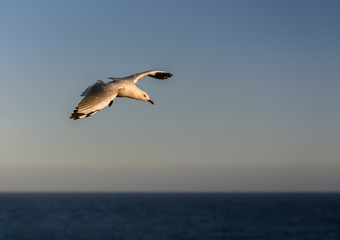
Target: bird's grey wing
89,88
97,97
155,74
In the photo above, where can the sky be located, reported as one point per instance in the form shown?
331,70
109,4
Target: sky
253,104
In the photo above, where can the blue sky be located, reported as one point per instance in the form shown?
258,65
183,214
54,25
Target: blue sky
253,104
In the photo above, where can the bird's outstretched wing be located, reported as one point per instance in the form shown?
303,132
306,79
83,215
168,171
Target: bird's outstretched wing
96,98
138,76
88,89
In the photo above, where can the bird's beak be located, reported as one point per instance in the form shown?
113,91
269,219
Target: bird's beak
150,101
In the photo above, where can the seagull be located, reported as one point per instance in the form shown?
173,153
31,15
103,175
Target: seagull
100,94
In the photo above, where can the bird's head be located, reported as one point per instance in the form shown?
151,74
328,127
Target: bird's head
145,97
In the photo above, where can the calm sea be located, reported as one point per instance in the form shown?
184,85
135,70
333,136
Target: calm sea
163,216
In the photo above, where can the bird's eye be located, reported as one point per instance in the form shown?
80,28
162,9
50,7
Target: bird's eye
144,95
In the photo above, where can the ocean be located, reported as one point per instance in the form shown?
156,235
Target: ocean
165,216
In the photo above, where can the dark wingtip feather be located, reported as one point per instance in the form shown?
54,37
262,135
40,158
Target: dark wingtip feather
162,75
75,115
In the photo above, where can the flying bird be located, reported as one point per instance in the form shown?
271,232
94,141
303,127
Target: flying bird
100,94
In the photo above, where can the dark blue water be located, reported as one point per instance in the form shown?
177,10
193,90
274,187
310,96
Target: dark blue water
169,216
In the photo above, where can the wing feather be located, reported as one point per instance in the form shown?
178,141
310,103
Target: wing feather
138,76
89,88
97,97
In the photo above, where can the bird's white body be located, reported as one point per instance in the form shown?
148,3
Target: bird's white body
100,94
